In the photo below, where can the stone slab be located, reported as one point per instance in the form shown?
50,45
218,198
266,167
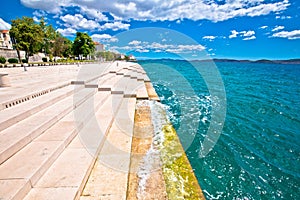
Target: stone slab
14,189
52,193
69,170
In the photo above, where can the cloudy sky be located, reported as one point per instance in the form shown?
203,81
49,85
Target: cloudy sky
241,29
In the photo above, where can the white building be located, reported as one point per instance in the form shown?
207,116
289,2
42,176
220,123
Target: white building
5,41
99,47
131,57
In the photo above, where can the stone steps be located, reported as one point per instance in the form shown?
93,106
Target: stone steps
15,137
69,173
16,95
49,144
109,83
31,162
106,76
109,177
12,115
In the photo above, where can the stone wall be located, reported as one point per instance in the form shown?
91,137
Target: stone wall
10,53
37,57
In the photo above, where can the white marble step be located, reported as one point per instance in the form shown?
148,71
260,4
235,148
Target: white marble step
113,158
15,137
17,113
30,163
69,173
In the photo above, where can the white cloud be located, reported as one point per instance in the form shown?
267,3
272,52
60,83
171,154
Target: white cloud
156,45
104,38
39,13
143,47
36,19
283,17
4,25
126,7
79,22
52,6
115,26
168,10
191,47
263,27
291,35
209,37
250,38
277,28
234,34
93,13
246,35
135,42
67,31
143,50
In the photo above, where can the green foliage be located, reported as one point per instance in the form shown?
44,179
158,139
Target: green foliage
24,61
13,60
45,59
83,44
49,35
62,46
68,48
107,55
34,37
53,42
27,34
61,60
2,60
50,58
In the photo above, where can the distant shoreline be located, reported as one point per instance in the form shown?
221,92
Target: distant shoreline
266,61
288,61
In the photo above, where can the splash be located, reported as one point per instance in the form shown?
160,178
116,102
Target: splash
180,180
150,161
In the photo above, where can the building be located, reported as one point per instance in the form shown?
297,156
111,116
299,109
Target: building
122,56
99,47
5,41
131,57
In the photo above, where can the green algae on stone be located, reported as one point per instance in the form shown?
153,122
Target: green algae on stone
181,182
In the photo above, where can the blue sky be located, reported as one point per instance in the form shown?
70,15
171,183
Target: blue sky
189,29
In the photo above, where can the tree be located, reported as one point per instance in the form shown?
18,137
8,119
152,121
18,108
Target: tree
28,36
83,44
62,46
107,55
68,48
49,36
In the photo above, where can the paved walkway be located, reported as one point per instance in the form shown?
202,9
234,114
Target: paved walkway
38,80
55,121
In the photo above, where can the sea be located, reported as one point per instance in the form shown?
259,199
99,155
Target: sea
254,152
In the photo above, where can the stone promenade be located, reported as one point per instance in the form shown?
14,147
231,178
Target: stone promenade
55,121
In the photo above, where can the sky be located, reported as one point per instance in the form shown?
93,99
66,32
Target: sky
188,29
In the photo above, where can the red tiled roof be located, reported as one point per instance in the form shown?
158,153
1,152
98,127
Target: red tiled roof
96,43
4,31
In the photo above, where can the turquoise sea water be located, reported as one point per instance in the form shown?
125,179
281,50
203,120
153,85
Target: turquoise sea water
257,155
